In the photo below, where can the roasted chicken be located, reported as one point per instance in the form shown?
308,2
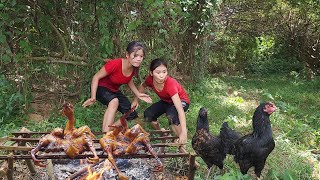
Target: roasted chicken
123,140
72,141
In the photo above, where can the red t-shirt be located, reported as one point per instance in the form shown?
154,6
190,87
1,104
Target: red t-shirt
115,77
171,87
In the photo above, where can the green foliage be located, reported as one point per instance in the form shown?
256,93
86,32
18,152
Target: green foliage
275,66
11,101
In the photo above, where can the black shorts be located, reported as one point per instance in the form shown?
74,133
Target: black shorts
104,95
157,109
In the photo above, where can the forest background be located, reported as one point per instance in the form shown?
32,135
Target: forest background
229,55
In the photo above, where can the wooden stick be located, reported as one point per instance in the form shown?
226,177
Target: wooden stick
192,168
24,148
83,170
83,156
95,133
34,140
196,164
16,148
28,161
10,167
4,168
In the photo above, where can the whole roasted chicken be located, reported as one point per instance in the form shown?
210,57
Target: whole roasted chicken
123,140
71,140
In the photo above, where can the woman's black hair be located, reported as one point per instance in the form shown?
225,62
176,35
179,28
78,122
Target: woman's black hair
156,63
133,47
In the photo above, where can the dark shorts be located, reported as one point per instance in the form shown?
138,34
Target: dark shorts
157,109
104,95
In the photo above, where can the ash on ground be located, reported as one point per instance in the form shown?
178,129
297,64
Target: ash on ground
133,168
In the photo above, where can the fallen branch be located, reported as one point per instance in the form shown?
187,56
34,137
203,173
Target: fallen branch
58,60
83,170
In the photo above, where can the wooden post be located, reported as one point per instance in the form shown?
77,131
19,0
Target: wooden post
192,168
10,167
28,161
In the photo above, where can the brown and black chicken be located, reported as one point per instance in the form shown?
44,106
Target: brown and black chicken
208,146
253,149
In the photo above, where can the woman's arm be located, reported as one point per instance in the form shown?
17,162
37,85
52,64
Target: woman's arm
182,118
135,101
94,86
138,94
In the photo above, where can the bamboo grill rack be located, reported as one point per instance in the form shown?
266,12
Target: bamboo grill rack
19,149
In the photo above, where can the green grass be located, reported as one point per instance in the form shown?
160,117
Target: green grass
234,99
295,127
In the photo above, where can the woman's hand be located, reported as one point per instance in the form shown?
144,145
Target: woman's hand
145,97
88,102
183,137
135,104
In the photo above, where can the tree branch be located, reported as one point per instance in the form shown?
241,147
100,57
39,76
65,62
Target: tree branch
57,60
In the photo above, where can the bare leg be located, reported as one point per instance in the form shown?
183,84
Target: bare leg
117,123
110,114
155,125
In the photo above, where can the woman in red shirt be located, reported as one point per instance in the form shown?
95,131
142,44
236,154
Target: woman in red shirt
106,82
174,100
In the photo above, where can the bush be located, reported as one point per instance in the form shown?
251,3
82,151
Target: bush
275,66
10,99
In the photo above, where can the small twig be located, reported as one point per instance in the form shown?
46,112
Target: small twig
83,170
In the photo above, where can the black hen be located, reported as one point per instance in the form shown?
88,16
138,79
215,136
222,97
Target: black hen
253,149
228,137
206,145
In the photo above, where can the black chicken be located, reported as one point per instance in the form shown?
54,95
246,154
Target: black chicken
228,137
206,145
253,149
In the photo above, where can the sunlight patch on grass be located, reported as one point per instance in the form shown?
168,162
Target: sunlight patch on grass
287,156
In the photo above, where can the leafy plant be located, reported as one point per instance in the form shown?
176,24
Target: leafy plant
10,99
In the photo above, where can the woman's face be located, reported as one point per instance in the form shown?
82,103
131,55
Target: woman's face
160,74
135,58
